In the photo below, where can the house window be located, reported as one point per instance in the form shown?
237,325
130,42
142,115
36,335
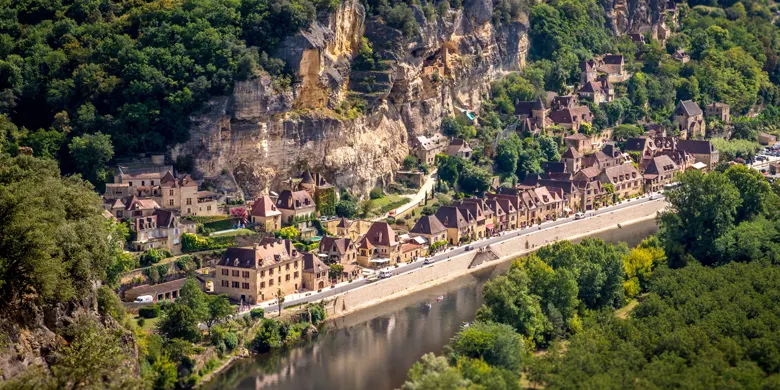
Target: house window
130,184
270,283
189,201
152,182
262,274
235,284
208,208
143,183
295,265
295,275
225,272
287,267
245,286
245,274
170,202
225,283
262,284
271,272
235,273
287,278
170,192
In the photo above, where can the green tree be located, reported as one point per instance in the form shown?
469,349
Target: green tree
702,208
753,190
289,233
497,344
179,321
335,271
193,297
432,373
91,153
219,309
346,208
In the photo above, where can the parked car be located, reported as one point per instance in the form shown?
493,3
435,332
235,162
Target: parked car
384,274
579,215
428,260
468,248
144,299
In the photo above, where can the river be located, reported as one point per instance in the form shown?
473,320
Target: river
374,348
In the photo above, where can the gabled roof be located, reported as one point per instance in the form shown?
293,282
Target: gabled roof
306,177
613,174
571,115
695,146
264,207
590,172
428,225
268,253
451,217
471,208
338,245
611,150
380,233
638,144
344,223
613,59
660,165
311,264
554,166
688,107
571,153
290,200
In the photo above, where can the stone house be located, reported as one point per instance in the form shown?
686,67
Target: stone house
659,172
182,194
255,274
624,178
460,227
549,204
644,147
130,207
766,139
429,227
532,115
161,229
459,148
580,142
510,203
719,111
380,245
339,250
702,151
598,91
477,210
689,119
572,118
297,208
572,197
315,273
426,148
502,212
609,156
572,160
681,56
613,65
352,229
167,291
411,251
265,214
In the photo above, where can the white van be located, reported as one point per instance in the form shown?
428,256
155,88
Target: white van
144,299
384,274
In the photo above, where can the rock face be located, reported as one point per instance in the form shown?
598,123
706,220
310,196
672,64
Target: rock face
635,16
262,134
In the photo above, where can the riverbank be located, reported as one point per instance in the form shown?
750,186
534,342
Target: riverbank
445,271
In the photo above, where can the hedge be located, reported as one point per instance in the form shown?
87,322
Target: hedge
193,243
152,311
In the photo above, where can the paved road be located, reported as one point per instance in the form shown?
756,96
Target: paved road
416,199
339,289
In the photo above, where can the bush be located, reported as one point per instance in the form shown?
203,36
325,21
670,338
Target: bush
231,341
153,256
376,193
257,313
151,311
141,322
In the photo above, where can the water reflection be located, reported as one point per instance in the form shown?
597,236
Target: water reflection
374,349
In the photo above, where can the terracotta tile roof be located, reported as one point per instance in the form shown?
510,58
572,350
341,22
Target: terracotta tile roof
153,290
335,245
620,173
311,264
268,253
572,115
380,233
571,153
660,165
297,200
264,207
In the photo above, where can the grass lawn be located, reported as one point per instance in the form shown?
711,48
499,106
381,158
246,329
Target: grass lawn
374,206
149,323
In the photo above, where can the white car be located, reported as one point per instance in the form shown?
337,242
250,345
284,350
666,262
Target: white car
579,215
428,260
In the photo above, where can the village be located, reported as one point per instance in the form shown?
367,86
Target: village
289,242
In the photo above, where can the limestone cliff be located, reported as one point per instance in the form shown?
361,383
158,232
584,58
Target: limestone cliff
635,16
260,135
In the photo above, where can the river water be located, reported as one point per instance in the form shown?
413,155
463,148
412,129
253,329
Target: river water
374,348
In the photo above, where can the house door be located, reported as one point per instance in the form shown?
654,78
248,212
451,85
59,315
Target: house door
243,298
321,285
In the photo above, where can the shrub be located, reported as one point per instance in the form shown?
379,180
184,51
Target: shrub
141,322
151,311
257,313
376,193
231,341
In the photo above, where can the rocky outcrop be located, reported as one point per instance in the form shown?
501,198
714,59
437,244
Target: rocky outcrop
635,16
262,134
